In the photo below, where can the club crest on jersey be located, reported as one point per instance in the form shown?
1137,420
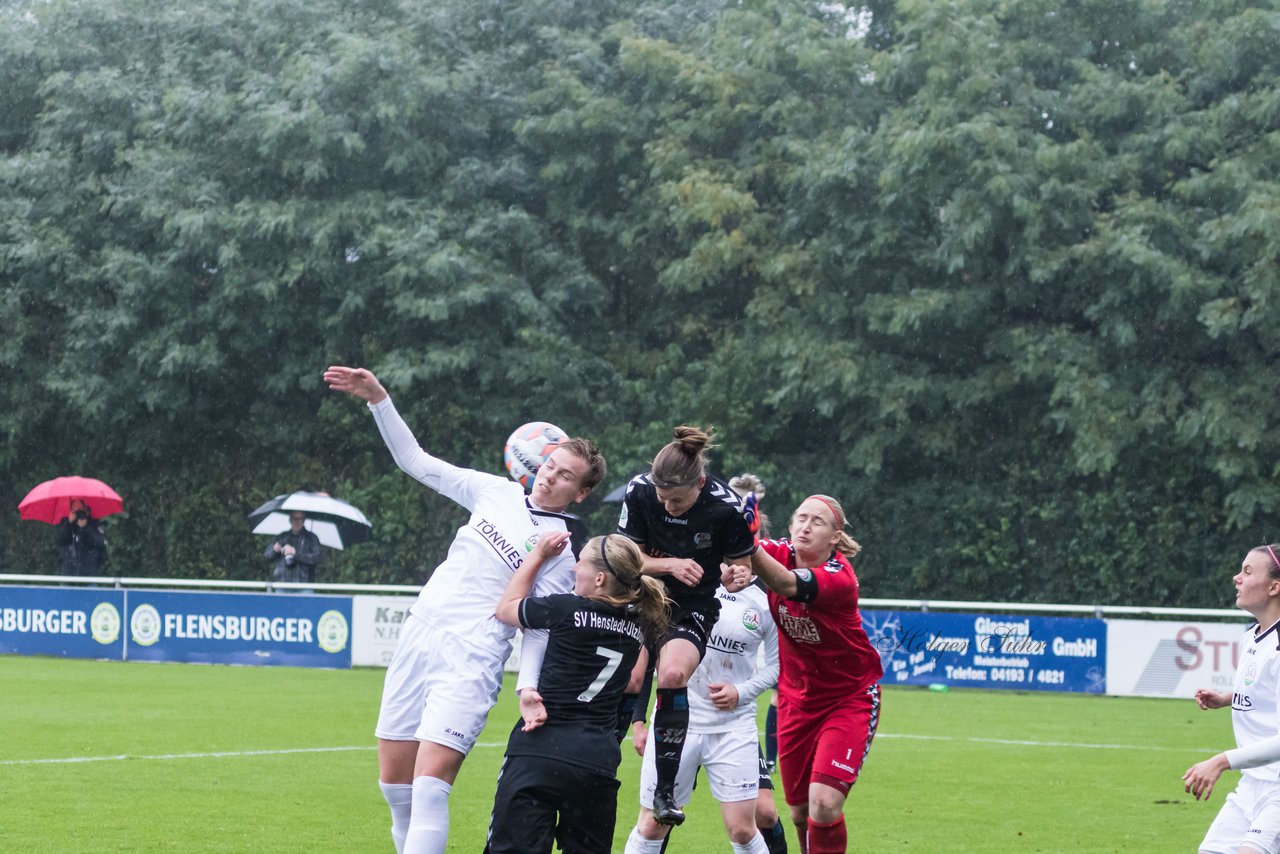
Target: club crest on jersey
751,619
1251,673
702,540
531,542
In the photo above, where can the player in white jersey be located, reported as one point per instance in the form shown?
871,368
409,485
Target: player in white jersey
722,735
447,670
1249,821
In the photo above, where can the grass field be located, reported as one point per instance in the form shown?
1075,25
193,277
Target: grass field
218,759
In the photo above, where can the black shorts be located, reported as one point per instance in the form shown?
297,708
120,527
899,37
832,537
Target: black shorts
693,625
541,801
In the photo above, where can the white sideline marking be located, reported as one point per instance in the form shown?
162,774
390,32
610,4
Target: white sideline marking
1024,743
235,753
216,755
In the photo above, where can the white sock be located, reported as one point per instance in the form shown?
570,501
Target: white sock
429,821
399,796
755,846
637,844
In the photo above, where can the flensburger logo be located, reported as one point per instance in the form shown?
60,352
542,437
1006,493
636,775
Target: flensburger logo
332,631
144,625
104,623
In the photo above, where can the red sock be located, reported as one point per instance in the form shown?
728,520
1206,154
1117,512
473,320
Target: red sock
827,838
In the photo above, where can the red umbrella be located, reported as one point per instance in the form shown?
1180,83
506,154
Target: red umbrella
51,501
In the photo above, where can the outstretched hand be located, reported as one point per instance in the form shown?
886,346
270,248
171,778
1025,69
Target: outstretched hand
355,381
1208,699
1200,777
532,711
551,544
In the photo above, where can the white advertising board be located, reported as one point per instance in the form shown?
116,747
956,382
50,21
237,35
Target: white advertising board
375,628
1171,659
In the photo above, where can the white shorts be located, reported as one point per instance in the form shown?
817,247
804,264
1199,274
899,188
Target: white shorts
1251,815
732,760
439,688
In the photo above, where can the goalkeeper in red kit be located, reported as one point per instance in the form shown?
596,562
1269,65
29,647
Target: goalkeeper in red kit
828,685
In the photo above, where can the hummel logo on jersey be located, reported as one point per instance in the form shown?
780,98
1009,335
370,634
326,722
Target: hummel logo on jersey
671,521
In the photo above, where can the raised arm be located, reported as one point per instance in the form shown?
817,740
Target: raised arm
355,381
776,577
549,546
413,460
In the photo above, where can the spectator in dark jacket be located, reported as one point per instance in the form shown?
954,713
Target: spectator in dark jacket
84,549
296,552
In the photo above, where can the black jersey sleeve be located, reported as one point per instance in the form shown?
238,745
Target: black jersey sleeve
633,522
739,540
542,612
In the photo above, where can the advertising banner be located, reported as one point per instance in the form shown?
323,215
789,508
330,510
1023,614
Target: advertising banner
1171,659
239,628
65,621
990,651
375,628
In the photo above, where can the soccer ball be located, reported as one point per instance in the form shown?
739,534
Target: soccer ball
528,448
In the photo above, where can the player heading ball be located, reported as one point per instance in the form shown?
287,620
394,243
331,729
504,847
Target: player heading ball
447,669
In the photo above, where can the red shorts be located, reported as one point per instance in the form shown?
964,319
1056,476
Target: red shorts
827,748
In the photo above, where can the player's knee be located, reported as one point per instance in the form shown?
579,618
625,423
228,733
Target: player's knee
826,803
824,813
826,810
766,810
672,676
743,835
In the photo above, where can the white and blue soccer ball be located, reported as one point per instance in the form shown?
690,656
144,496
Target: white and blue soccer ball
527,449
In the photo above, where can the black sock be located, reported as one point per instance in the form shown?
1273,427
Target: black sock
774,838
670,724
771,734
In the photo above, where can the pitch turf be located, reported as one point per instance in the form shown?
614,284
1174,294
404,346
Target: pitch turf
99,756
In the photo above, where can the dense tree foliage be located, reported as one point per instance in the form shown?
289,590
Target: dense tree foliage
1001,274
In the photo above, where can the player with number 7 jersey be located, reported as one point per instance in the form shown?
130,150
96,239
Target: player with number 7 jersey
559,779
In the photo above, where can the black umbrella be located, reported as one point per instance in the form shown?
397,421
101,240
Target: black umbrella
335,523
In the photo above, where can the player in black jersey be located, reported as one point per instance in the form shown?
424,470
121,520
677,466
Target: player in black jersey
559,780
688,524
